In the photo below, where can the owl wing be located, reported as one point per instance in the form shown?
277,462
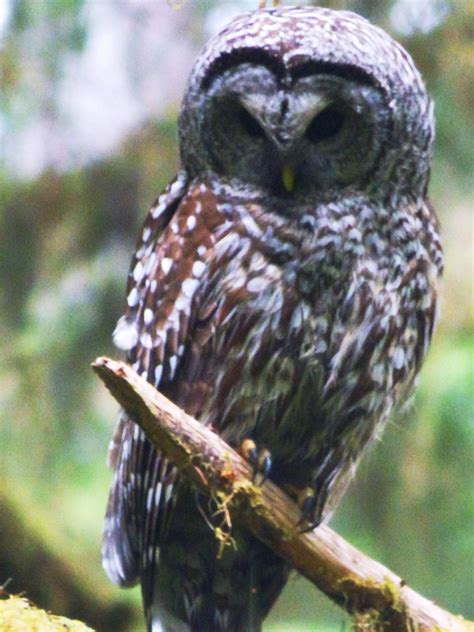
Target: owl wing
130,454
162,295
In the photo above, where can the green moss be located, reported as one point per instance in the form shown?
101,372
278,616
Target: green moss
18,614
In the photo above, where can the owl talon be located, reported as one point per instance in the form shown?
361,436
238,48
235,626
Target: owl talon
310,510
248,449
264,463
260,460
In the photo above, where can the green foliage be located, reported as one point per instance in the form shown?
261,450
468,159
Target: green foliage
59,13
47,32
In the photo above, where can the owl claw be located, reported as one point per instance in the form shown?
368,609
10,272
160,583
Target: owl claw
310,510
248,449
265,463
260,460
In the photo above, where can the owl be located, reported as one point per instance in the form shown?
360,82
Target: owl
283,292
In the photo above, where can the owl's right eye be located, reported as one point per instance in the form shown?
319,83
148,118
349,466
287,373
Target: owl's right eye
249,123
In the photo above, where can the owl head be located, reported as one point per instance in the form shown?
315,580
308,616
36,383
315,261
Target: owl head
300,102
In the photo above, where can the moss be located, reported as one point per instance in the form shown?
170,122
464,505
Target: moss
376,605
17,614
241,494
223,500
369,620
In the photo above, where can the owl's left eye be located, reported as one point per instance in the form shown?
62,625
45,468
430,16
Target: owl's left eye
325,125
249,123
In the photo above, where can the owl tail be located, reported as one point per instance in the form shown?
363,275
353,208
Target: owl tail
196,590
225,608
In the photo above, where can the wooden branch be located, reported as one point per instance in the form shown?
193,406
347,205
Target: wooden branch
376,597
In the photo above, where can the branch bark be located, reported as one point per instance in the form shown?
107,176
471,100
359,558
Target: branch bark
376,597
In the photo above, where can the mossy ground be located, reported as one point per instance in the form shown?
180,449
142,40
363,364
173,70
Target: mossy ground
17,614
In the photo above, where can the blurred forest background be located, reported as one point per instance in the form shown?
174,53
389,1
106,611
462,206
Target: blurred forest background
90,91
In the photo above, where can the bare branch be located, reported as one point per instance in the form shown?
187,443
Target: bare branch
378,599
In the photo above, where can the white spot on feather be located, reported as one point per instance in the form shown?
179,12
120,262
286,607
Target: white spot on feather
147,316
355,234
150,264
146,340
156,625
125,335
158,494
189,286
133,297
257,285
158,210
176,186
296,318
398,358
126,449
251,226
320,347
166,264
168,492
149,498
198,268
182,304
191,222
257,262
173,364
138,272
377,373
426,301
158,374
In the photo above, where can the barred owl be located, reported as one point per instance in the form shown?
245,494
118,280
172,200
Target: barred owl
283,290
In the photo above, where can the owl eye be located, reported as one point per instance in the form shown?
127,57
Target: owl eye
249,123
325,125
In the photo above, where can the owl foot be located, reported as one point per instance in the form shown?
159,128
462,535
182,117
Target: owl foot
311,510
260,460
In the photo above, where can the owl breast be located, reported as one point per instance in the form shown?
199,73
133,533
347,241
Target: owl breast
306,334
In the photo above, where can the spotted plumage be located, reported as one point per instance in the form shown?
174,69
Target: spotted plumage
283,289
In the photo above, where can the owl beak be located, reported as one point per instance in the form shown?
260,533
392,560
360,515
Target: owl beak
288,177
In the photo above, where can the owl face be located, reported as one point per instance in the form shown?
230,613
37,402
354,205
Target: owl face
301,102
293,138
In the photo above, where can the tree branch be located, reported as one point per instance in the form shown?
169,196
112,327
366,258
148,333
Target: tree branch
376,597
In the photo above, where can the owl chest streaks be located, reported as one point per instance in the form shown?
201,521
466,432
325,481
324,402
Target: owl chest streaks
302,334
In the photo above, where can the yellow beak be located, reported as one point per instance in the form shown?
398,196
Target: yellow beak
288,178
